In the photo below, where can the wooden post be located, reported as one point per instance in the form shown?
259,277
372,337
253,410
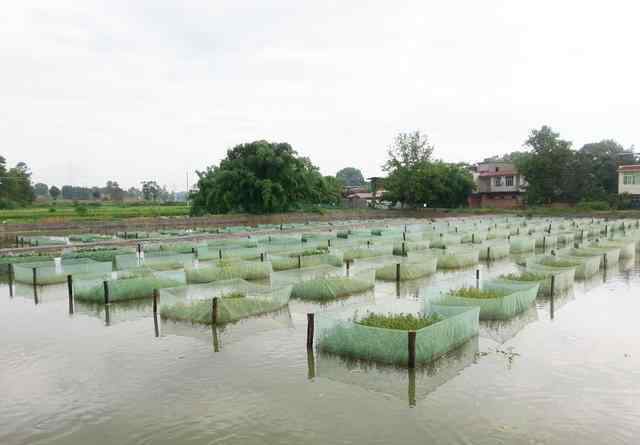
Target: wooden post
348,263
262,257
21,241
299,261
368,243
404,249
553,284
329,243
310,330
105,286
488,253
70,292
411,387
214,311
17,241
604,260
156,296
411,344
34,272
311,364
281,227
220,254
582,235
473,238
125,235
606,229
10,279
404,236
478,278
544,243
397,272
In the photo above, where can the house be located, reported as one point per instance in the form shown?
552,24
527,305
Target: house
629,180
498,185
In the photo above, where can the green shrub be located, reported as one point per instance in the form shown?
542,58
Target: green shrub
593,205
524,276
472,292
403,322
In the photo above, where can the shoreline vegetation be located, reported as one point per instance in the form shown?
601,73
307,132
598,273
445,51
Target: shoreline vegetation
66,213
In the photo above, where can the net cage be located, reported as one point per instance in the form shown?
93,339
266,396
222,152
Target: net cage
366,251
497,300
494,250
226,270
586,266
522,244
125,287
280,239
243,253
563,277
498,233
415,265
474,237
565,237
158,260
103,254
55,272
545,240
627,247
334,286
456,257
608,255
227,243
340,332
441,240
299,260
403,247
221,302
89,238
5,260
45,240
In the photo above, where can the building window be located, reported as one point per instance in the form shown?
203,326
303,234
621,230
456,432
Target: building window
631,179
508,181
497,181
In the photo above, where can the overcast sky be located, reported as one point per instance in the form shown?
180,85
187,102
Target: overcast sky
135,90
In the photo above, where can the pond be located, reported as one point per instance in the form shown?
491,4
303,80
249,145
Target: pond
566,371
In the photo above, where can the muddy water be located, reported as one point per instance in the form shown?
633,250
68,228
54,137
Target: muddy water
566,371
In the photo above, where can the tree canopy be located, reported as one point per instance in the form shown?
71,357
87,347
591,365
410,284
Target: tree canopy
351,176
557,173
262,177
15,185
414,179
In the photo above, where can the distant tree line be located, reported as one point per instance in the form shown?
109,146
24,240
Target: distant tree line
555,172
112,191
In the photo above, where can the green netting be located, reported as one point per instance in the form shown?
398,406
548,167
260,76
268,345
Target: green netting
125,288
440,240
522,244
332,287
494,250
565,237
544,240
21,258
511,299
359,252
52,272
586,266
298,261
226,270
133,235
611,254
627,248
563,277
89,238
338,332
499,233
475,237
236,300
403,247
280,239
97,254
158,260
45,240
455,258
231,242
415,265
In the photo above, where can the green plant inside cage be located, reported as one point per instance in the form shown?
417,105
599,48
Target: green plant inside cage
405,322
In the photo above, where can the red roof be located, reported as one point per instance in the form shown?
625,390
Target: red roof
629,168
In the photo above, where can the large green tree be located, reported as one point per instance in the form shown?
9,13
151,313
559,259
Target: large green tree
261,177
350,176
15,185
547,169
444,185
408,155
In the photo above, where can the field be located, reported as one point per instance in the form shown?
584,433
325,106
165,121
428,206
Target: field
67,211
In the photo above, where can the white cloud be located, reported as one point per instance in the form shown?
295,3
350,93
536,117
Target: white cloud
150,90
